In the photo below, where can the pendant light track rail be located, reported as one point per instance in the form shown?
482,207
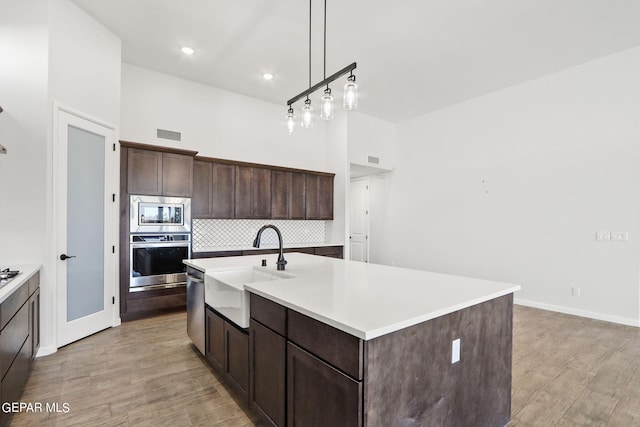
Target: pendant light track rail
331,78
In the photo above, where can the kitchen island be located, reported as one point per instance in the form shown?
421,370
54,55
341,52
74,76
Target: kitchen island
345,343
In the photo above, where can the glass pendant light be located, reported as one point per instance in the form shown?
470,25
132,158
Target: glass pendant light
350,101
307,114
326,105
291,120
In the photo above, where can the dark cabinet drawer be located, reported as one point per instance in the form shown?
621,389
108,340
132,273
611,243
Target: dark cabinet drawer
13,337
319,395
332,345
12,304
268,313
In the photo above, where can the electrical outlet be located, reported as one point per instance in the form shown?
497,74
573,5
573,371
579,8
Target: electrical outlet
603,236
575,291
455,351
619,236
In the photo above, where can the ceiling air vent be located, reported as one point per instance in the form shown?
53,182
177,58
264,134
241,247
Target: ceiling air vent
169,134
373,159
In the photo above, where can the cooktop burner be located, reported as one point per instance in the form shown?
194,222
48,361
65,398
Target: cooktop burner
7,275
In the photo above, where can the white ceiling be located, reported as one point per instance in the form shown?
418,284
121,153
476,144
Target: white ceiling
414,56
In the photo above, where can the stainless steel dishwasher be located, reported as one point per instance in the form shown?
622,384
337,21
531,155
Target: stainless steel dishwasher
195,307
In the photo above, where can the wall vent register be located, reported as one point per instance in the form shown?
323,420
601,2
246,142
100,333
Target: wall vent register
169,134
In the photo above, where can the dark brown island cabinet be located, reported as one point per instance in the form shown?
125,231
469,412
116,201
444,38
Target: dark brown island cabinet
303,372
19,340
227,350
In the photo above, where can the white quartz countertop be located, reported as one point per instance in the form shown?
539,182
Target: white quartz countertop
362,299
275,246
26,272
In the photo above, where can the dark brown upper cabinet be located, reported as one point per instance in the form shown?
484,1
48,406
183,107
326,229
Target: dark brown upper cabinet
280,192
159,173
201,201
319,196
213,190
177,175
231,189
297,196
252,192
223,191
144,172
287,195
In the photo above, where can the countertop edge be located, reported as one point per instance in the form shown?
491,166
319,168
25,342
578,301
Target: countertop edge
375,333
27,271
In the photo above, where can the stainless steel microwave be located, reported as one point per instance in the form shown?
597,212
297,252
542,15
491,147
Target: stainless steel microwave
159,214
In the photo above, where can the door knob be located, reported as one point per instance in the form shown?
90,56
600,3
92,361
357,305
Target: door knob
64,257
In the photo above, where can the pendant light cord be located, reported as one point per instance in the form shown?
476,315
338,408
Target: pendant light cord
325,41
309,45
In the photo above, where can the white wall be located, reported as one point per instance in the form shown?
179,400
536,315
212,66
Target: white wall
214,122
513,186
84,63
336,151
23,131
369,136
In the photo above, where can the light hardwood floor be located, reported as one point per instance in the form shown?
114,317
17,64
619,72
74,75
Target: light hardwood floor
567,371
572,371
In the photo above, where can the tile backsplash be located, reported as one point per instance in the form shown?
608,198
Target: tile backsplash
208,233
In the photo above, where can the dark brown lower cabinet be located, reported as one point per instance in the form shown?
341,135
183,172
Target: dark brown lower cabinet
319,395
329,251
267,373
227,350
214,345
237,357
19,340
34,322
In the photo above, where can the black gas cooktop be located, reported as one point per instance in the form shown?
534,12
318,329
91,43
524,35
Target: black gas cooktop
7,275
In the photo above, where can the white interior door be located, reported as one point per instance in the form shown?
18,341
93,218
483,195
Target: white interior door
85,213
359,237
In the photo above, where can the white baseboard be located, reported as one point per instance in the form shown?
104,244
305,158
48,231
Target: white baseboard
581,313
45,351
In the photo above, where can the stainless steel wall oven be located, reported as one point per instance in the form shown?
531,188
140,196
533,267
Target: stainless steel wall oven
160,238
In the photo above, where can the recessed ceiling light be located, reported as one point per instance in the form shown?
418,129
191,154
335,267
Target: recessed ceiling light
267,76
187,50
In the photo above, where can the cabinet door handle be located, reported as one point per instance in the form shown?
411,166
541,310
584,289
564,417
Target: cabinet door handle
65,257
